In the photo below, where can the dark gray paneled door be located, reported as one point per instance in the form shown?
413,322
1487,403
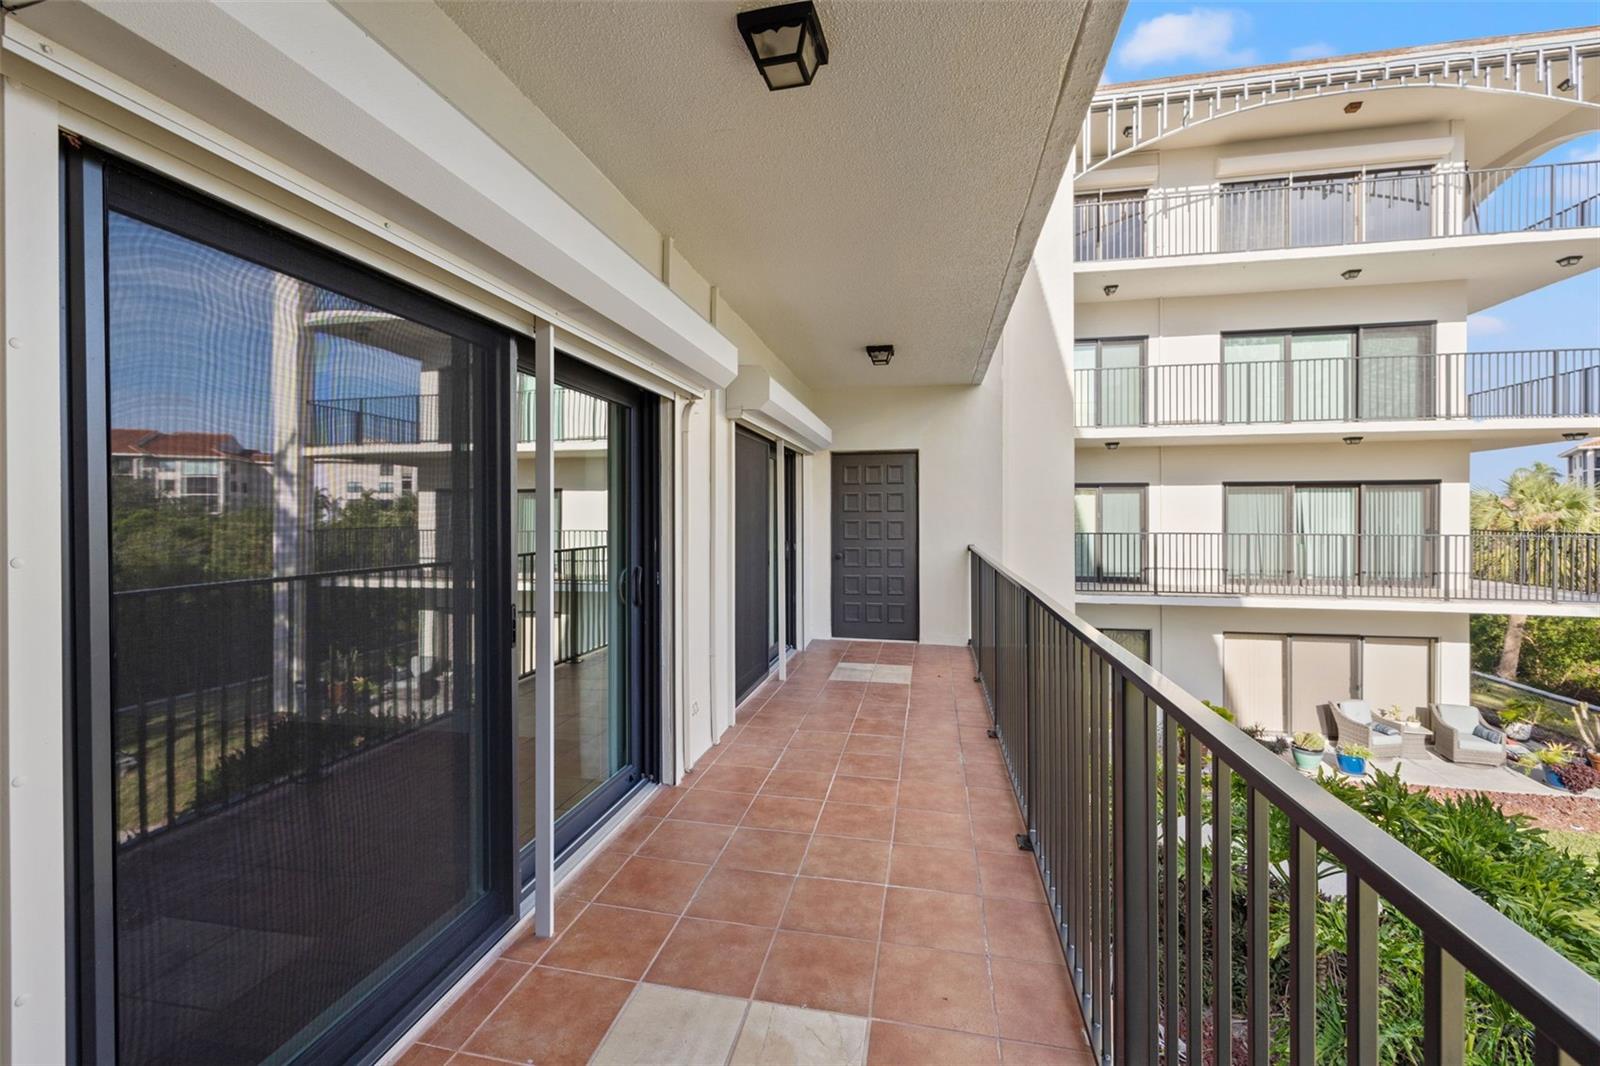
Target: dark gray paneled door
875,545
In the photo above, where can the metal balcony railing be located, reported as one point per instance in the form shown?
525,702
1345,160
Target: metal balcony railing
1541,383
1165,836
1324,210
583,589
1482,565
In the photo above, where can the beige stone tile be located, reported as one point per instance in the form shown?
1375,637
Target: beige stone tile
661,1024
883,674
851,672
774,1033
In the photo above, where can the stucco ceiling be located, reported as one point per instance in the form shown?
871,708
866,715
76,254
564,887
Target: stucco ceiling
895,200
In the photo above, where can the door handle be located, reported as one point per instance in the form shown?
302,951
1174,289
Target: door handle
838,556
637,574
622,586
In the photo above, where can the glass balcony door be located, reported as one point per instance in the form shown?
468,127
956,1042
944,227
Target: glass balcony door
1110,527
291,786
603,596
1108,381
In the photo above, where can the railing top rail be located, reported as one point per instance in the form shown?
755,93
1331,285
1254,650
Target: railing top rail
1529,689
1352,358
1550,990
1321,178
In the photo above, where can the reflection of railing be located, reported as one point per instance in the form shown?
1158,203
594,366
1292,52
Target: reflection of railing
1332,210
1483,565
579,416
1544,383
347,547
228,688
1165,836
569,538
583,585
410,419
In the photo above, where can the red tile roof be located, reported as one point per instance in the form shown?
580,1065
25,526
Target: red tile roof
181,445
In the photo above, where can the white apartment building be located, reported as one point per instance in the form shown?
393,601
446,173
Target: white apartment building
1276,405
1583,462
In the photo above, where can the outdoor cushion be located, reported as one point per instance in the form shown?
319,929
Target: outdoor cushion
1382,743
1462,717
1468,742
1493,736
1359,711
1388,729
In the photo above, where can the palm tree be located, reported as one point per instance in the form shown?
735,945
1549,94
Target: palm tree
1534,500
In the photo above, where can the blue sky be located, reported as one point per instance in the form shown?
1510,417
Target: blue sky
1159,39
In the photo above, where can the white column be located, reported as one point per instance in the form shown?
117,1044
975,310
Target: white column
293,489
544,602
783,575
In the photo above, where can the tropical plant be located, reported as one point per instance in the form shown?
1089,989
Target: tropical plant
1554,755
1355,751
1522,709
1533,500
1309,741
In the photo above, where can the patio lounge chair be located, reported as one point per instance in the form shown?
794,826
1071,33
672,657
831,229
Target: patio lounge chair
1452,725
1354,721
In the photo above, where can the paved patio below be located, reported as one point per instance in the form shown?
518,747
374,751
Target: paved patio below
836,882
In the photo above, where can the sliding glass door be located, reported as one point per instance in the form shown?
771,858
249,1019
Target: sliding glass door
1108,381
1321,534
604,597
292,793
1110,521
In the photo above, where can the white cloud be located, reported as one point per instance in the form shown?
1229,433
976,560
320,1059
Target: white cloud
1486,324
1204,34
1314,50
1584,153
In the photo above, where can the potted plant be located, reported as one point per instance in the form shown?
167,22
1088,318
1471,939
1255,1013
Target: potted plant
1353,758
1519,716
1553,757
1308,749
1579,776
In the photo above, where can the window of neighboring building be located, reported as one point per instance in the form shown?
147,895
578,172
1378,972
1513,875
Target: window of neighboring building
1136,641
1323,375
1373,530
385,469
1109,224
386,486
1109,523
1304,210
353,487
1108,381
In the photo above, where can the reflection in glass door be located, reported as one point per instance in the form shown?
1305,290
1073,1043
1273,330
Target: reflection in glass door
291,790
604,595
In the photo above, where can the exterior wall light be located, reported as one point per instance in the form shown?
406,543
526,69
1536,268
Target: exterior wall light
1574,435
1564,85
1111,445
786,42
1351,274
1352,107
1353,440
1569,260
1110,290
880,354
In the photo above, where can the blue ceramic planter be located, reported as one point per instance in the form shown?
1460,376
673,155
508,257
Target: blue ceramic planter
1352,764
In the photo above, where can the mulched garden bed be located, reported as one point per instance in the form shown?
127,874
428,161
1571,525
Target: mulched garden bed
1547,812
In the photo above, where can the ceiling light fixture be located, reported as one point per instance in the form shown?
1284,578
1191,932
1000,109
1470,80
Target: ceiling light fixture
1127,131
1353,440
1111,445
1569,260
880,354
1110,290
1350,275
1574,435
786,42
1352,107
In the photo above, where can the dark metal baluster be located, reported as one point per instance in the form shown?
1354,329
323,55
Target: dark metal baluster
1133,766
1222,908
1443,1007
1194,896
171,740
1302,947
1361,976
1258,902
1170,943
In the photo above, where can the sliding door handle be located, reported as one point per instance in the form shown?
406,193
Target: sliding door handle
638,586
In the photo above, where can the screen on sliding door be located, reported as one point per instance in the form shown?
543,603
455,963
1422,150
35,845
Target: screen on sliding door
294,584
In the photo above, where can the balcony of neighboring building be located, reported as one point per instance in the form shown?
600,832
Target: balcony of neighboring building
1322,386
1504,231
1481,571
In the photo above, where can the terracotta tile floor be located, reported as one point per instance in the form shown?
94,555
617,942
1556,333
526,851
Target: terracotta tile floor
837,881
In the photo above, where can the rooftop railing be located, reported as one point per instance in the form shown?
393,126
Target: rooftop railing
421,419
1187,868
1541,383
1482,565
1325,210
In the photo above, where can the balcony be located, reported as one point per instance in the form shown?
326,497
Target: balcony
1516,392
1280,893
1337,210
1477,567
419,419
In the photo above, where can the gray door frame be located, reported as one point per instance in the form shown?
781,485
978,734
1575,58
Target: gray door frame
863,630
